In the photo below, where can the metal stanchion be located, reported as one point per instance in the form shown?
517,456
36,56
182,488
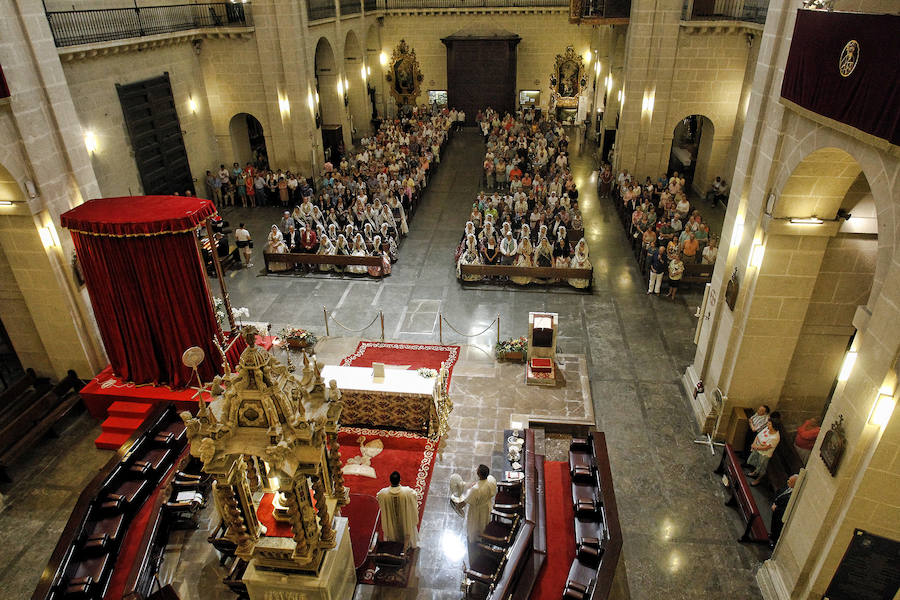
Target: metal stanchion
498,328
441,327
325,312
381,314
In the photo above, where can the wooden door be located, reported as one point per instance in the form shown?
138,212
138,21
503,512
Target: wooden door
481,73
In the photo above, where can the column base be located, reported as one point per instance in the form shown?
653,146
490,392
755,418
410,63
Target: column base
700,405
770,584
336,579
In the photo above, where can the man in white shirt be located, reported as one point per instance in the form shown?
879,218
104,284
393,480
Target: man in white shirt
399,513
243,239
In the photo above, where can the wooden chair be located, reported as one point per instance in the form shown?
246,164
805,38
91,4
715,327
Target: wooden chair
500,529
387,555
483,572
509,497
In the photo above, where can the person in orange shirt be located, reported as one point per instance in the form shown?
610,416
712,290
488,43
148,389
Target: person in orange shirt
690,248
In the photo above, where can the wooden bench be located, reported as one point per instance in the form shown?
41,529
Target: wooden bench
27,424
87,554
551,273
697,273
784,462
741,498
295,258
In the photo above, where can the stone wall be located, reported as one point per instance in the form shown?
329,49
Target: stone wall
543,37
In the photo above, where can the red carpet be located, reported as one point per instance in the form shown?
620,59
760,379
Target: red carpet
274,528
106,388
560,531
362,514
416,356
410,454
413,457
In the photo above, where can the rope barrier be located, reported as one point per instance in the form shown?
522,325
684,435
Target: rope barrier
372,322
443,320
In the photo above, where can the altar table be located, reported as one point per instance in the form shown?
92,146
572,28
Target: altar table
403,400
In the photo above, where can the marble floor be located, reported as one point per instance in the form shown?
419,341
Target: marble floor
679,539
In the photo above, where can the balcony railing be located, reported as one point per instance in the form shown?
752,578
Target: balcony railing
72,27
464,4
320,9
752,11
350,7
370,5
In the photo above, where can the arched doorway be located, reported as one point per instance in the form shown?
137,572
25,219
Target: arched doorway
828,184
330,89
691,148
248,141
355,81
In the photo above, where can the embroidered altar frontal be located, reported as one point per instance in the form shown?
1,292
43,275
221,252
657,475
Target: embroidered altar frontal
401,400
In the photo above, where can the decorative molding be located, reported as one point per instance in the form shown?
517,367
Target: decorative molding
85,51
723,26
518,10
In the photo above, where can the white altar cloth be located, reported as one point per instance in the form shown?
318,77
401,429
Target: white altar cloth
398,381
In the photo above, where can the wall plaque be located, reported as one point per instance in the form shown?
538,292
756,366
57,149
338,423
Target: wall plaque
833,445
869,570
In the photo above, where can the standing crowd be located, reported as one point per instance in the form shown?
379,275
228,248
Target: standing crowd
662,224
528,216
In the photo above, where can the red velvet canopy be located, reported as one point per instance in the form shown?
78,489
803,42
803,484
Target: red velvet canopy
147,284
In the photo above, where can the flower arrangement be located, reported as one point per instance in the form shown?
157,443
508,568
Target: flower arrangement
427,373
219,308
298,338
512,349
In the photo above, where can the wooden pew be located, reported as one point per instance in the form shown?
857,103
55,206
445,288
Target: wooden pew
697,273
293,258
551,273
741,498
88,552
19,387
22,429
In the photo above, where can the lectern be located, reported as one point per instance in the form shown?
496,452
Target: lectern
542,331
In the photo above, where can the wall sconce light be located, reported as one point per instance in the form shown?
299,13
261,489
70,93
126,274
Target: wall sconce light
383,59
621,96
598,67
881,412
6,203
587,56
368,70
90,141
609,83
806,221
310,101
340,87
284,105
737,232
847,365
363,73
48,238
192,104
756,255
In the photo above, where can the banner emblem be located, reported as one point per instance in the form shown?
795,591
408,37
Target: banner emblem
849,58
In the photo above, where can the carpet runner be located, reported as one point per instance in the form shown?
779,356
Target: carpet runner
560,531
411,356
374,454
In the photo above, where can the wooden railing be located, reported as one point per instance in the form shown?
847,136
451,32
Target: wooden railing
751,11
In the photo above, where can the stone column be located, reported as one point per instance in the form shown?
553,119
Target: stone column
327,531
296,518
337,476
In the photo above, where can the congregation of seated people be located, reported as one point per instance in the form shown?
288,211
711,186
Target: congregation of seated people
363,203
528,216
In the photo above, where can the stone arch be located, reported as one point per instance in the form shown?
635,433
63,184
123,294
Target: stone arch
248,141
883,177
355,84
691,153
330,102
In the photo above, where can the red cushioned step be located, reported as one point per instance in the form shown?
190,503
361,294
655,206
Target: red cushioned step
111,441
130,410
121,425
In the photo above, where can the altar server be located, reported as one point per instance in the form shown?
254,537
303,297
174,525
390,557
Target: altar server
479,496
399,513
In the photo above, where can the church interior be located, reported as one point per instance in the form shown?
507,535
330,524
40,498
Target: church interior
416,299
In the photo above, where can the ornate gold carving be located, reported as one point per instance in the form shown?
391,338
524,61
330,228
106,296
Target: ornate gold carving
568,80
404,76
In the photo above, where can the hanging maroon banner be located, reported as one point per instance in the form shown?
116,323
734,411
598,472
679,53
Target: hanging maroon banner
846,66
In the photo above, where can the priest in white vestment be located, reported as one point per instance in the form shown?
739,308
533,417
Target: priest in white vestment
399,513
479,497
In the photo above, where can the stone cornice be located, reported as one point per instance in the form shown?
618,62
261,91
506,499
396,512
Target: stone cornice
85,51
723,26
